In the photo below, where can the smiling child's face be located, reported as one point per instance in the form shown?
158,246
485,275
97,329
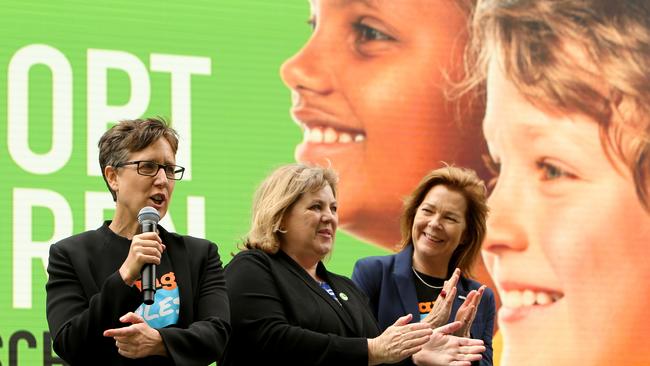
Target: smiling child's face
567,237
368,90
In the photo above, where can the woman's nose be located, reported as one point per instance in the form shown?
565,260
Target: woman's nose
434,221
307,70
161,177
329,215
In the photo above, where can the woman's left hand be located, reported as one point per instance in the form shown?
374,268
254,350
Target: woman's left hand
445,349
398,341
439,314
138,339
467,312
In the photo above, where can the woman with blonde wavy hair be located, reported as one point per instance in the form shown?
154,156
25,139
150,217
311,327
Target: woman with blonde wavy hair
287,308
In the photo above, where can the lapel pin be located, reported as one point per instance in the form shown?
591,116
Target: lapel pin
343,296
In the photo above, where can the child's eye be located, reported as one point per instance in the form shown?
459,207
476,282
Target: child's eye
551,171
366,33
334,208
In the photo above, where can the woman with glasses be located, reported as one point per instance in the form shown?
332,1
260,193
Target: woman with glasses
94,301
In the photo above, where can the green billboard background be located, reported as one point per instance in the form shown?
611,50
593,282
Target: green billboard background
68,69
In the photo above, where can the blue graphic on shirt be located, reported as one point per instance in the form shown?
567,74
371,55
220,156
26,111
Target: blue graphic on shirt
164,311
325,286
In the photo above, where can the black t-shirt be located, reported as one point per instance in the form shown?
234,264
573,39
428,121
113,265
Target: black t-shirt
427,293
166,307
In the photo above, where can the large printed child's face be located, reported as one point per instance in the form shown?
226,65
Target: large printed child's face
368,90
567,238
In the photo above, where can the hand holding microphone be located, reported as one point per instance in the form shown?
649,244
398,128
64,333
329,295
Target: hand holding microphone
145,252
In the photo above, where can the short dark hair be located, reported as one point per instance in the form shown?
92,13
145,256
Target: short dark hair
130,136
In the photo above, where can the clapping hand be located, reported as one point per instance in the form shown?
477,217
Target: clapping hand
398,341
446,349
439,315
467,312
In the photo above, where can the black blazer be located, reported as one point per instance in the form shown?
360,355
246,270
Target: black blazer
86,295
281,316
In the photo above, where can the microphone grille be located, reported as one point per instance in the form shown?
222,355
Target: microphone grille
148,213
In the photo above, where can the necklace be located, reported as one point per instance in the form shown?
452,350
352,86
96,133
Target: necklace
423,281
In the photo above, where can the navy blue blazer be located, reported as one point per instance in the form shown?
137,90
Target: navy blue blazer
389,283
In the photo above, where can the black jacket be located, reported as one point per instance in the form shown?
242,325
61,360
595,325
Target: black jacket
281,316
86,295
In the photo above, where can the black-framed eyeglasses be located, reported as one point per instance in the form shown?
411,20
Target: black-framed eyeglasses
151,168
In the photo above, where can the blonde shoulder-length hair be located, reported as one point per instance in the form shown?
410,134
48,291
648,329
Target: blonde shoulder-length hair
277,193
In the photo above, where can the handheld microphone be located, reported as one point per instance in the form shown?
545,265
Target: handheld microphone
148,218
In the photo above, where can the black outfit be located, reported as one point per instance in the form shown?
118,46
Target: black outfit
427,295
86,295
281,316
